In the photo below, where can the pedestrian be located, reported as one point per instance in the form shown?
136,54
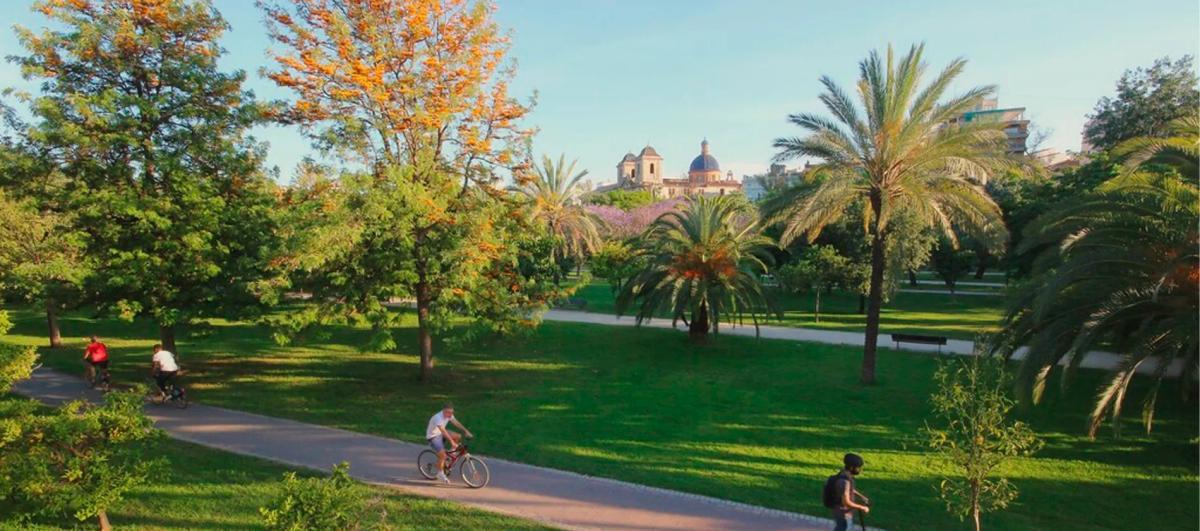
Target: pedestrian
840,494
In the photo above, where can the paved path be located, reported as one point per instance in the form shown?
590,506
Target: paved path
1094,359
561,499
955,293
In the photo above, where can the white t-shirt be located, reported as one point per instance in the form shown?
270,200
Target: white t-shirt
438,420
166,361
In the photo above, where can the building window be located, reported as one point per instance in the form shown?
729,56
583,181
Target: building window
651,168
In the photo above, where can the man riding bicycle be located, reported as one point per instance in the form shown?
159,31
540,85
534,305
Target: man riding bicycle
164,369
438,437
96,356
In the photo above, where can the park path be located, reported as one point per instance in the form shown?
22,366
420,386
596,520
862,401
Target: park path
960,347
557,498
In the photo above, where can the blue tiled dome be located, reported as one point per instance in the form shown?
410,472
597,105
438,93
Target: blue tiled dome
705,162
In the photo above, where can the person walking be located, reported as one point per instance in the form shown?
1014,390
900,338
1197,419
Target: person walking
841,496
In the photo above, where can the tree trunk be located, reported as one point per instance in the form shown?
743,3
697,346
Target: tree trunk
698,329
166,336
424,337
912,278
52,324
875,296
983,259
975,510
103,517
817,306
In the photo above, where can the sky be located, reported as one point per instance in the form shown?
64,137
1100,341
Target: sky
612,76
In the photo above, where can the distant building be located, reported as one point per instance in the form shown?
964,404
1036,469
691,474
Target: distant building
644,171
777,178
1013,118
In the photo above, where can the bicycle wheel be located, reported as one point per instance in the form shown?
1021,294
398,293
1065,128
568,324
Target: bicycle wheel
179,398
427,464
475,472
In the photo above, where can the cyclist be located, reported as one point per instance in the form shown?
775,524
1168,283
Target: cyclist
438,436
164,369
96,356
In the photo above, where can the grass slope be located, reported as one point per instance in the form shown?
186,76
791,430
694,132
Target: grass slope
757,421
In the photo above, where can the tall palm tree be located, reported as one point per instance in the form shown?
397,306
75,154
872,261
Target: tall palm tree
899,153
1119,270
703,265
556,201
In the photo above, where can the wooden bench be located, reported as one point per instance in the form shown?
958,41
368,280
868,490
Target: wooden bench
920,339
573,303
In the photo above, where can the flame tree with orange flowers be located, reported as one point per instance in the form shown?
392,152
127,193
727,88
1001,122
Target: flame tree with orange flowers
413,96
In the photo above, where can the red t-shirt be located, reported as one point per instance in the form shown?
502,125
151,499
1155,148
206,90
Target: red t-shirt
97,352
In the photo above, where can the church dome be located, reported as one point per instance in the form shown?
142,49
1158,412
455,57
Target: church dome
648,152
704,162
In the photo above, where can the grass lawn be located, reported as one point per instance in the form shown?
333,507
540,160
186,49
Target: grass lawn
757,421
210,489
960,317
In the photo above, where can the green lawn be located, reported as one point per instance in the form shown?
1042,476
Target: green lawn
960,317
210,489
757,421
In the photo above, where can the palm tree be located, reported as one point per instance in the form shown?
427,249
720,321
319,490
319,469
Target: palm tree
703,262
1120,270
901,153
556,201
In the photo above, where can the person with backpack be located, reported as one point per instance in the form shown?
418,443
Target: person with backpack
841,497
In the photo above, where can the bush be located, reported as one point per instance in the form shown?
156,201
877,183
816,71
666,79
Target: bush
334,502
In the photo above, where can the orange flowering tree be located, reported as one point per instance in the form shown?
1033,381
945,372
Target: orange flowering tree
151,138
702,265
413,96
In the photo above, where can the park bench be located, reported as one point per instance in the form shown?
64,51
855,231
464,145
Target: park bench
573,303
920,339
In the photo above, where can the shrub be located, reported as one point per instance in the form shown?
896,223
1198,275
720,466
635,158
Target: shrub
334,502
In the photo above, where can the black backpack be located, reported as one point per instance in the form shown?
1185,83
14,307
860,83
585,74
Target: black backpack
830,496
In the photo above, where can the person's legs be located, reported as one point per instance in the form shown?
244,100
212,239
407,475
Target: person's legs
439,446
841,522
89,371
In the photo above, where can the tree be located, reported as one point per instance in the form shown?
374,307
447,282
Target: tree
78,459
1146,102
819,269
898,155
615,262
416,94
974,436
702,266
554,199
951,262
151,137
41,258
623,199
1141,301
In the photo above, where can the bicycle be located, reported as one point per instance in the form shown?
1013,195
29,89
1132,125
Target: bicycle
97,378
473,470
175,395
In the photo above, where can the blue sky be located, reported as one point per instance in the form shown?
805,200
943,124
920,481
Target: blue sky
612,76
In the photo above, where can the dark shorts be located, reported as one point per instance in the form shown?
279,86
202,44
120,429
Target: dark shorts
99,364
163,378
438,444
841,521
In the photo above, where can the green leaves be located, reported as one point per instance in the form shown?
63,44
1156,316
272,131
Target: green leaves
317,504
973,436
